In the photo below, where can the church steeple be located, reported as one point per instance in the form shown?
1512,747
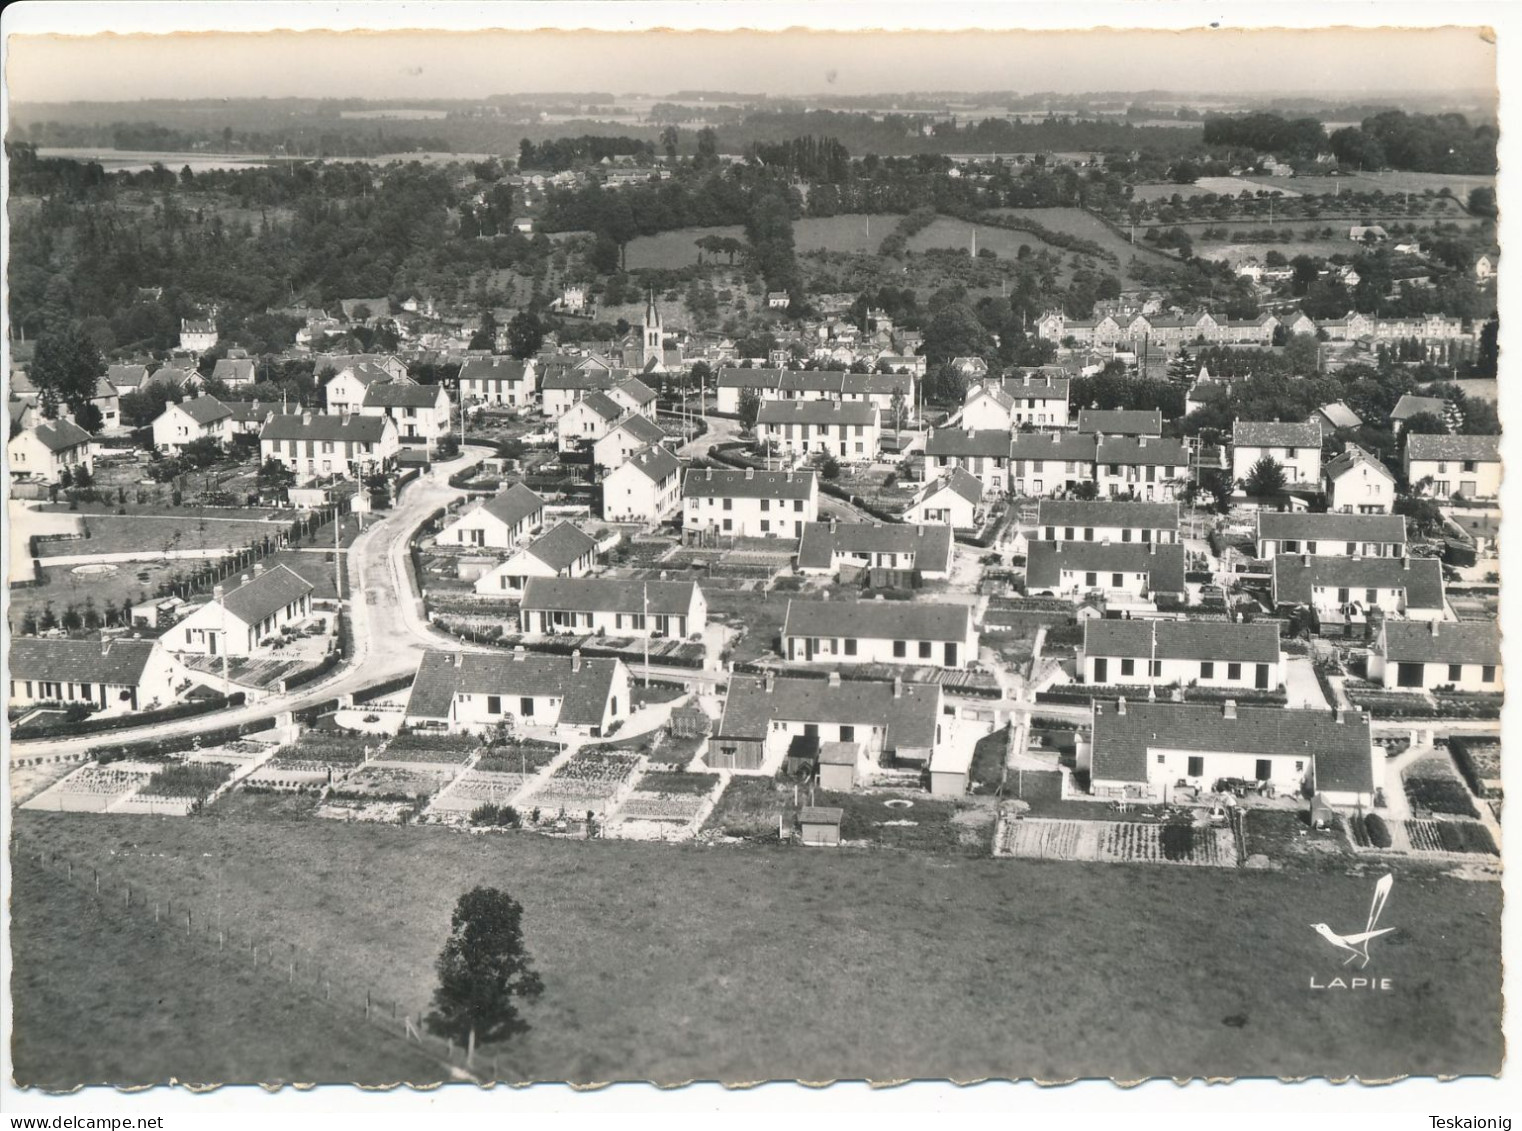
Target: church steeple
654,342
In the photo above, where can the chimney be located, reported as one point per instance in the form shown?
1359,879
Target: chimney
306,418
518,653
1405,563
1056,437
1305,559
834,679
898,687
576,660
1120,705
771,682
1229,709
750,473
105,645
1141,441
1433,625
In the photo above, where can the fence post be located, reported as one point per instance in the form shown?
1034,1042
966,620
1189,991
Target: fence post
129,895
187,922
155,911
367,1005
96,871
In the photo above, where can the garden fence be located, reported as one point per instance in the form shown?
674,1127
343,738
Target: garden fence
193,924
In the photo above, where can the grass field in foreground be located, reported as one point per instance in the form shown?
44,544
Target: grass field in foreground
140,1010
674,963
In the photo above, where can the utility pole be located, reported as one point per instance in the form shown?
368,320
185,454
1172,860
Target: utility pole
338,554
646,609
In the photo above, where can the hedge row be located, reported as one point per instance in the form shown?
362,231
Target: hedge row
384,687
134,719
1138,692
1376,830
158,747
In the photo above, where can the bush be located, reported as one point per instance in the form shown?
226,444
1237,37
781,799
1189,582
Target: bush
1378,833
1466,836
491,816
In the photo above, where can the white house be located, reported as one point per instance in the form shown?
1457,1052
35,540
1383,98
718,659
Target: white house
748,503
763,718
234,372
646,487
1343,591
988,408
879,632
1462,655
198,418
497,381
345,391
955,499
632,434
1039,398
827,547
500,522
561,387
197,336
983,454
588,420
587,606
473,692
1144,751
42,454
1357,483
236,621
1118,570
315,444
635,396
1144,467
564,551
420,412
1469,466
1295,447
1043,463
1165,653
732,384
1331,534
848,431
116,676
1104,520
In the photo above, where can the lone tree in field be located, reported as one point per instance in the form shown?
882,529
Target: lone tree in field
1264,478
483,967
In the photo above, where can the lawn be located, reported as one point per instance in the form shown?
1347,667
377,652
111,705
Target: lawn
103,585
670,963
670,250
90,1023
1077,222
115,534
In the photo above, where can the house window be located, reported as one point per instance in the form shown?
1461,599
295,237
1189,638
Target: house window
729,524
1488,673
850,646
1116,581
766,504
798,505
765,526
925,649
729,504
1370,596
1067,533
1091,579
847,733
1207,669
1125,535
1155,669
494,704
1469,465
1128,667
1233,671
526,707
1455,672
1196,766
900,649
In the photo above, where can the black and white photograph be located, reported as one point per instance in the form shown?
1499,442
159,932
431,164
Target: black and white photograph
544,554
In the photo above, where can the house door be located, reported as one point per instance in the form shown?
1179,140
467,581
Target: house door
1409,675
951,654
211,643
1101,670
1265,769
808,648
1262,681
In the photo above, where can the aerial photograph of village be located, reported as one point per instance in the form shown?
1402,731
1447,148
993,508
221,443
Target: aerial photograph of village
632,572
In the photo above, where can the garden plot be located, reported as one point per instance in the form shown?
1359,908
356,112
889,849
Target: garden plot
474,788
93,788
389,783
177,788
524,759
668,798
1434,786
315,760
1460,837
588,782
427,750
1119,842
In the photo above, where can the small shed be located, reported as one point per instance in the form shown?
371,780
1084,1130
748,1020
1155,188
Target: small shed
1323,816
820,824
837,766
471,568
950,769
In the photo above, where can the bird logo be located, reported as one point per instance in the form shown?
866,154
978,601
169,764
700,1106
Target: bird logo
1357,945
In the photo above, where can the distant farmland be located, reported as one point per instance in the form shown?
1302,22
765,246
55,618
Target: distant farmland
1077,222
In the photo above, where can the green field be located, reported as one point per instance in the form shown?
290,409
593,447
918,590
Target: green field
160,1011
115,534
1077,222
670,250
672,963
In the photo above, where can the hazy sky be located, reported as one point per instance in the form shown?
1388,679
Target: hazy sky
444,65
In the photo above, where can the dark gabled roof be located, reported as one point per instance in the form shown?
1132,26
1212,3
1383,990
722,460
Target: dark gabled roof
636,389
1295,578
1142,451
963,442
1339,415
60,435
992,392
1044,385
811,381
959,482
1411,405
735,378
1331,526
580,379
127,375
354,428
655,463
1351,458
1163,565
1451,642
583,691
733,483
507,369
205,410
562,547
907,720
877,620
393,395
879,383
265,593
1183,640
1101,513
642,428
172,374
1482,448
234,369
1276,434
513,505
1341,750
1121,421
930,545
603,405
1077,446
608,595
816,412
120,662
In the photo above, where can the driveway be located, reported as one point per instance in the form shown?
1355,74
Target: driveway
1301,684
